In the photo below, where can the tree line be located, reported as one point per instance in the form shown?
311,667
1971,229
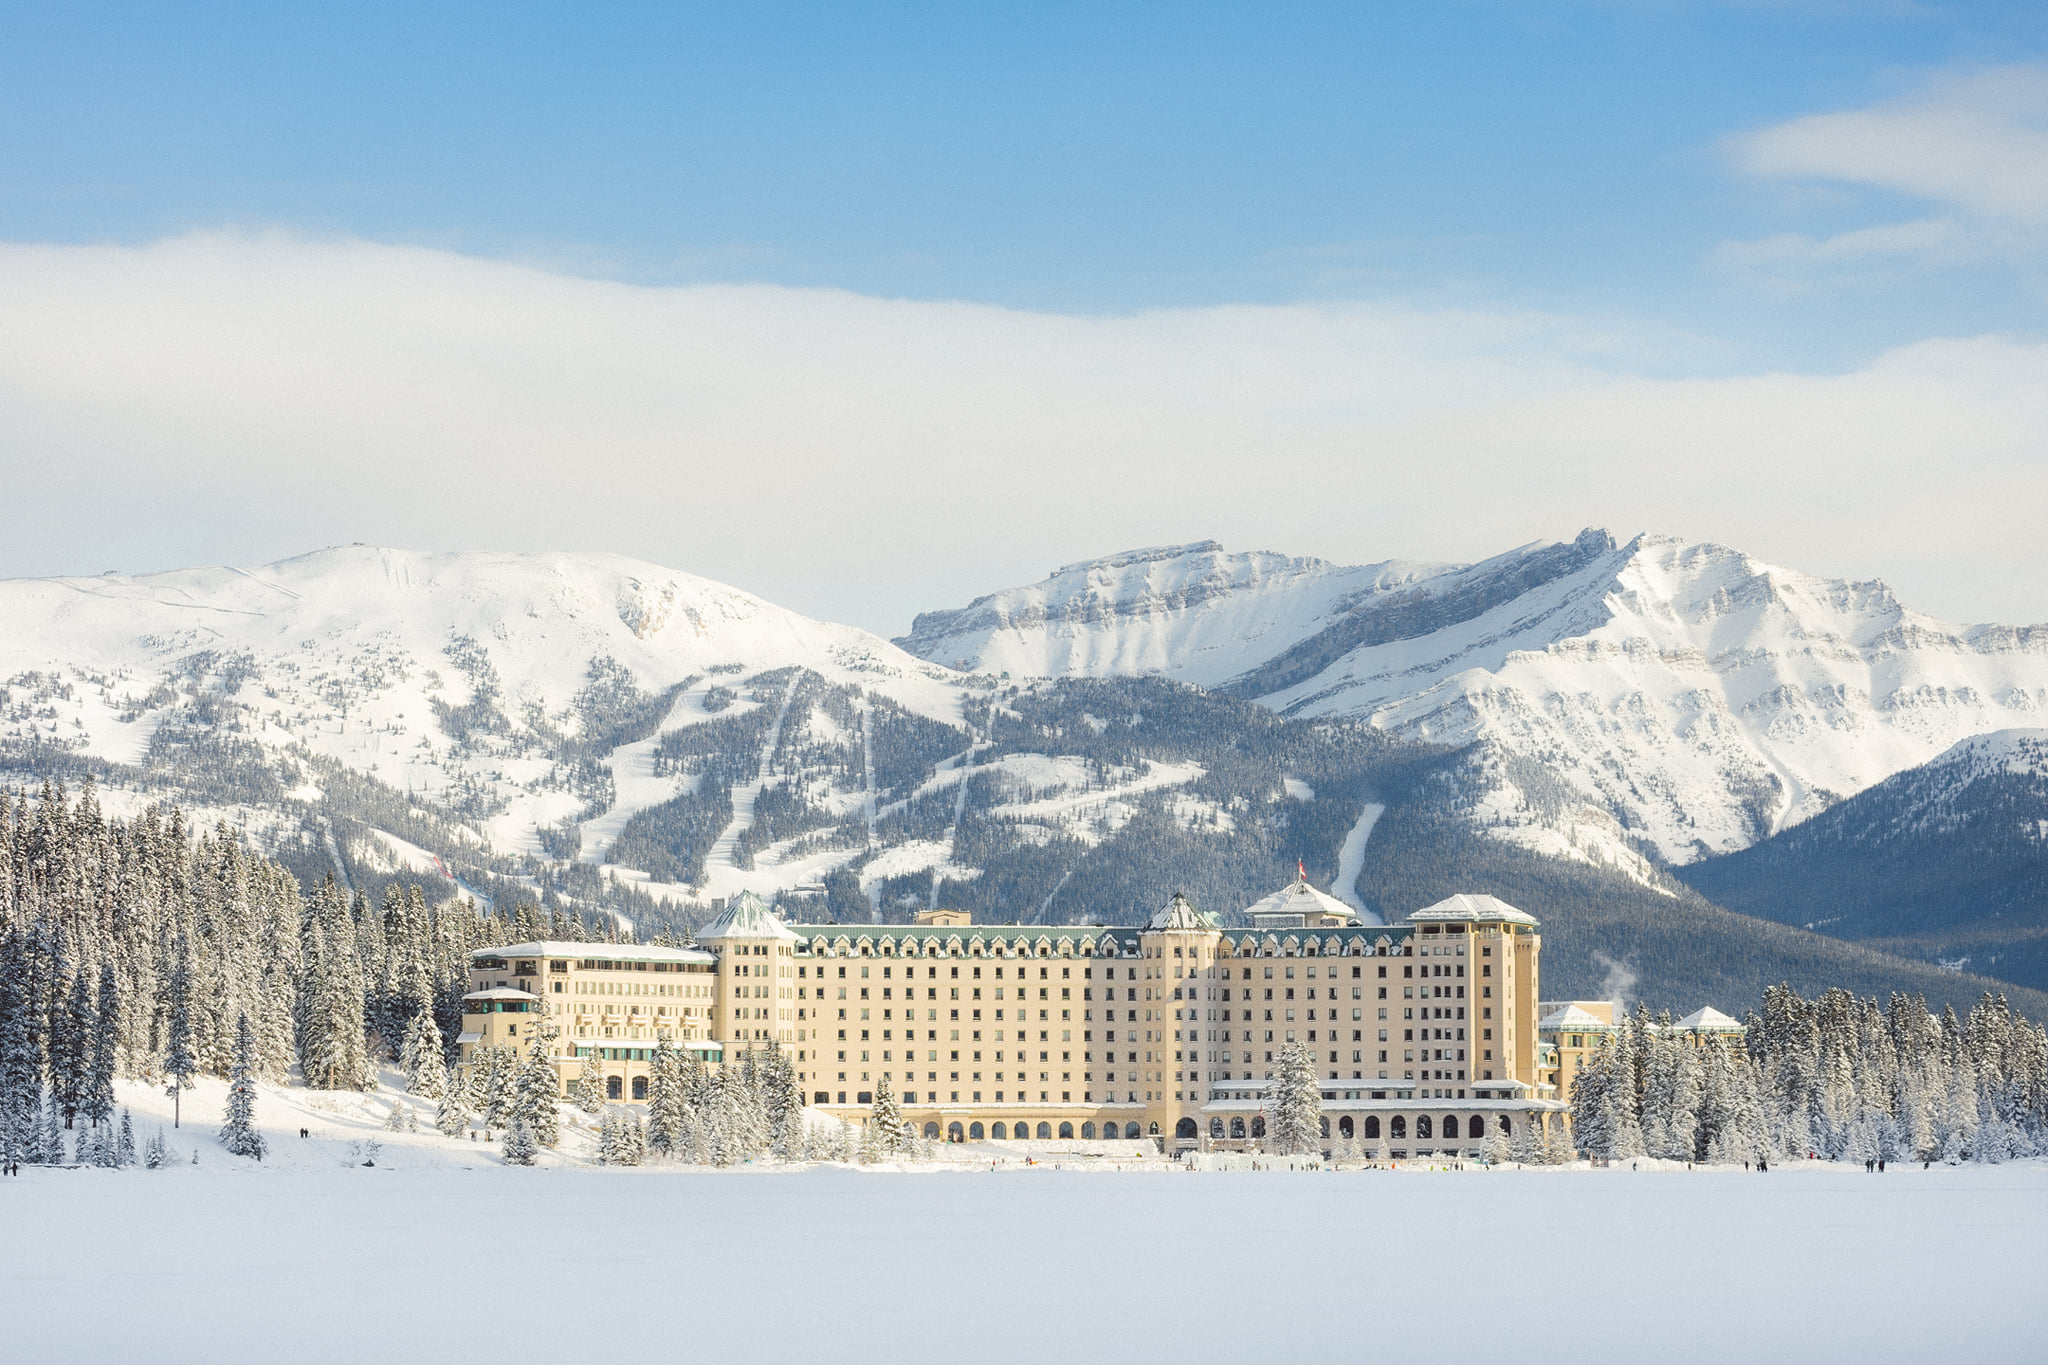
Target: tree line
1840,1077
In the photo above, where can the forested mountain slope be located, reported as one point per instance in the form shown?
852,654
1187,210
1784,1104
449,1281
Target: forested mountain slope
1945,862
1692,697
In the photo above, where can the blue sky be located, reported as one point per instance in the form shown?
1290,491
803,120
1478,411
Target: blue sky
1686,191
1091,158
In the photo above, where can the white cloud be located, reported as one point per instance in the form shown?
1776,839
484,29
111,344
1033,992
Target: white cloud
222,398
1974,144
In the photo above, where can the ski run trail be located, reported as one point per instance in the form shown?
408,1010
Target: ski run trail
724,852
1351,861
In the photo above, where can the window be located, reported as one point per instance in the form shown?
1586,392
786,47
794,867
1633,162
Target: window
999,1132
1372,1127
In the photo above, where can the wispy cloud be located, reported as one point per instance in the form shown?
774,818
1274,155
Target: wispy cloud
242,398
1973,145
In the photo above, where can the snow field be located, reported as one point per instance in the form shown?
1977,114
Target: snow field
230,1262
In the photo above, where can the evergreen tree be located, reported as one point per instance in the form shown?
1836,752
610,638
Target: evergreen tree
519,1147
536,1090
21,1082
179,1062
1294,1104
667,1104
426,1067
124,1145
97,1101
156,1153
590,1095
238,1133
70,1049
885,1120
450,1117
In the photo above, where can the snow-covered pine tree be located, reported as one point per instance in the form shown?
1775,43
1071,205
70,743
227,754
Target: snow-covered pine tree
782,1103
667,1115
426,1067
886,1119
629,1140
1294,1104
451,1117
70,1044
155,1153
589,1090
238,1133
97,1101
124,1144
21,1081
179,1062
519,1147
536,1089
53,1135
1498,1150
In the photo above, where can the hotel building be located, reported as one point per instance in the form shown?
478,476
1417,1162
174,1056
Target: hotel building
1425,1033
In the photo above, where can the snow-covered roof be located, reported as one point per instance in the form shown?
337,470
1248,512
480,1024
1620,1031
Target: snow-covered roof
617,952
500,993
1179,916
1299,898
1707,1019
1468,908
1572,1018
746,916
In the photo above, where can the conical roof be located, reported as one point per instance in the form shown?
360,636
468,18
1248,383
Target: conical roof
746,916
1179,916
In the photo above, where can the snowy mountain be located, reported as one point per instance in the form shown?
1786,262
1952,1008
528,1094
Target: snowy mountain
508,698
1947,862
596,733
1683,699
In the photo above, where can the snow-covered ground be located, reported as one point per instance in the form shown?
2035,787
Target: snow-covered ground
439,1252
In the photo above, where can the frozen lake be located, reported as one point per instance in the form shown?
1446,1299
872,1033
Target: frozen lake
226,1263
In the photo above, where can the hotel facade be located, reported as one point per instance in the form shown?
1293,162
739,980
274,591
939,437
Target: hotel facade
1424,1033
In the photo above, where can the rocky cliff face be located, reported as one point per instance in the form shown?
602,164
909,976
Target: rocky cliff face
1684,698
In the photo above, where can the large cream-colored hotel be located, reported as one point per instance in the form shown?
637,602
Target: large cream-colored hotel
1428,1034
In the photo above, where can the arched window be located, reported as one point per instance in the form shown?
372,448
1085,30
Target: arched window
1475,1127
1087,1132
1215,1128
1506,1127
954,1134
1372,1126
1326,1125
614,1088
974,1132
999,1132
1131,1131
1066,1130
1258,1126
639,1087
1423,1127
1044,1131
1237,1129
1398,1129
1344,1129
1186,1129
